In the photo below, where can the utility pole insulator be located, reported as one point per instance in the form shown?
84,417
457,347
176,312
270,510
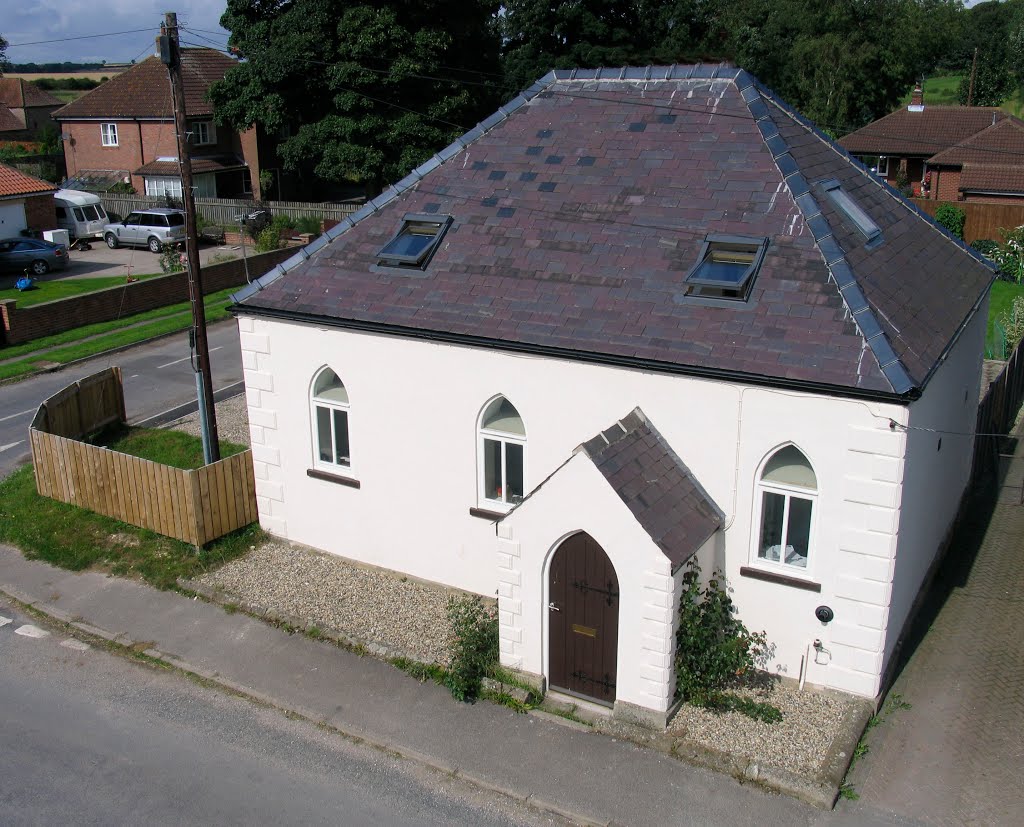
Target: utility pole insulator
207,411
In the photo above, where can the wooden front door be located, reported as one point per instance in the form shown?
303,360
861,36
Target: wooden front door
583,611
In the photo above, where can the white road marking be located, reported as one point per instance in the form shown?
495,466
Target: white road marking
10,445
28,630
15,416
185,359
77,645
134,376
4,621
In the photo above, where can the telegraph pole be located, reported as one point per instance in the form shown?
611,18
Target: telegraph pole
170,54
974,69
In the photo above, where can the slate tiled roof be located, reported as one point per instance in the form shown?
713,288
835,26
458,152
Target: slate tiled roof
19,93
219,163
579,208
14,182
924,133
659,490
144,90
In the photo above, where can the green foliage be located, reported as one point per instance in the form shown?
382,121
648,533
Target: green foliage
167,447
1010,254
268,239
985,246
369,90
714,650
1013,323
49,141
952,218
171,258
9,153
122,188
992,32
284,224
475,646
309,224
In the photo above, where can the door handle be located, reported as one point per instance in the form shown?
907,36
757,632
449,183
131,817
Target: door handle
553,607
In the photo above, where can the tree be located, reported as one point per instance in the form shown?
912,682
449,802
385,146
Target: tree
991,31
541,35
4,63
363,90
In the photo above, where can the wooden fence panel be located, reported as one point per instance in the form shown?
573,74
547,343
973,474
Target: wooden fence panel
225,211
194,506
997,414
983,220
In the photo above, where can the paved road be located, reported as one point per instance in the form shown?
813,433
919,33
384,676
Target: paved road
90,738
157,376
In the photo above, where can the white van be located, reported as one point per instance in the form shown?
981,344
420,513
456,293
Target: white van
80,213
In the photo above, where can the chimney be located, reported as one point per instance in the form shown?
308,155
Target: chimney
916,99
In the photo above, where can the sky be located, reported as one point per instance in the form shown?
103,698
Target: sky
24,25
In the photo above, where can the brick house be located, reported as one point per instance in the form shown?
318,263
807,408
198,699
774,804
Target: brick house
636,316
25,110
26,203
123,132
948,153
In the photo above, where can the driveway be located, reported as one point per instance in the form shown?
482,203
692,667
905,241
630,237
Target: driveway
955,756
102,261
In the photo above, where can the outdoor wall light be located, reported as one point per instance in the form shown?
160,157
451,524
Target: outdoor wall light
824,614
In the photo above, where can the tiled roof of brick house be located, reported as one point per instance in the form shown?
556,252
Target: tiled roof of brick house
9,122
144,90
15,183
19,93
659,490
931,130
200,164
581,207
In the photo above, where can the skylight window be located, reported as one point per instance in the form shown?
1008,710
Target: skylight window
842,201
726,267
416,241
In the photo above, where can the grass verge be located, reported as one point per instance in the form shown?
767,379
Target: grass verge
49,291
91,340
76,539
1001,300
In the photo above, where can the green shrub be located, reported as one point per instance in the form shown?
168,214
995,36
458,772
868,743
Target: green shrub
1013,323
284,224
952,218
715,651
171,258
268,239
308,224
475,647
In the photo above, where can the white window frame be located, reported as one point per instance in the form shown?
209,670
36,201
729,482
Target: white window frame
882,167
787,491
161,186
315,403
504,438
108,134
204,133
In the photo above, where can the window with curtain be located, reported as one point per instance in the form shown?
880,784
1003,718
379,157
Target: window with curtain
787,490
502,455
330,409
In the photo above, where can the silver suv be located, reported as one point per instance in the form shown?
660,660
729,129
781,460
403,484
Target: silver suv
147,228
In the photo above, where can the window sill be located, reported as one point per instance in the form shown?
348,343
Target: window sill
780,579
486,514
335,478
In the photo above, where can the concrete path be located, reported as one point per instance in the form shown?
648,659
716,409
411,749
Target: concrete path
956,756
589,778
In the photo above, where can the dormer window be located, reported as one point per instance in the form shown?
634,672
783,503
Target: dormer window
726,267
416,241
842,201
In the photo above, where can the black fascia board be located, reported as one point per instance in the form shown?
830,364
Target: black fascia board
585,357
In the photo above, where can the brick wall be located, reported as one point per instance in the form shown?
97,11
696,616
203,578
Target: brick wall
948,186
38,320
40,213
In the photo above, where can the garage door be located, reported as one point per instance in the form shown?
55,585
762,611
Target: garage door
12,218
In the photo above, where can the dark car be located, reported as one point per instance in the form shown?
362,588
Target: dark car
34,255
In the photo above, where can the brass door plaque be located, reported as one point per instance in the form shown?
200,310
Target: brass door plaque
584,630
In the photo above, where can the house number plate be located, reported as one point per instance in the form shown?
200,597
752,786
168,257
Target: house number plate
584,630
